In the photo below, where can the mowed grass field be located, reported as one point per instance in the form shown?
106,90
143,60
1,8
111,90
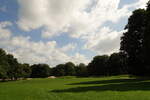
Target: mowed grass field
71,88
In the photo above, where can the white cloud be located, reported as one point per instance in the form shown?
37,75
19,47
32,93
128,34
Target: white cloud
106,41
4,32
140,4
69,47
79,58
39,52
79,18
28,51
68,15
54,15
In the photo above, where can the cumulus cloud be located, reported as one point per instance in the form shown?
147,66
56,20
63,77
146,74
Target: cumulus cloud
72,16
69,47
4,31
28,51
77,17
82,19
139,4
54,15
79,57
105,41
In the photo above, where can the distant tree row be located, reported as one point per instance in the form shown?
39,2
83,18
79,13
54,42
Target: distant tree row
70,69
100,66
11,69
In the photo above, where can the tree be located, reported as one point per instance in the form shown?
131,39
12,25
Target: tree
14,70
69,69
117,64
3,73
132,42
59,70
26,70
3,65
147,40
81,70
99,66
40,71
9,67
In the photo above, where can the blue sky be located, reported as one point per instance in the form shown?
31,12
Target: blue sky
68,31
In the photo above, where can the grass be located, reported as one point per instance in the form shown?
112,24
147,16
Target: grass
71,88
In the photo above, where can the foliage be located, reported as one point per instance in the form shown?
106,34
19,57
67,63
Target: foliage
14,71
117,64
40,71
81,70
98,66
26,70
3,65
147,40
135,43
69,69
132,42
58,70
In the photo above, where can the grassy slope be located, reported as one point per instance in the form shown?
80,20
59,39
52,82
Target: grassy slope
108,88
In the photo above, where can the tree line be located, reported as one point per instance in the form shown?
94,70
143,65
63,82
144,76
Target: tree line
132,59
103,65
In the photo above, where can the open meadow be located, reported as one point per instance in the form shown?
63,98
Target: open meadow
72,88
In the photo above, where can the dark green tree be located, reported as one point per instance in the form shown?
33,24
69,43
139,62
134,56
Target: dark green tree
3,73
14,70
69,69
26,70
147,40
117,64
3,65
59,70
132,42
81,70
40,71
98,66
9,66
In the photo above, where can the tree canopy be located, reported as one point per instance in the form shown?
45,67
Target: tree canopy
135,43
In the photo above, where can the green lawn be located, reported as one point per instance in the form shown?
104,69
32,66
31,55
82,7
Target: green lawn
71,88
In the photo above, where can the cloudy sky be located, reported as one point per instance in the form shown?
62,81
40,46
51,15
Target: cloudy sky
58,31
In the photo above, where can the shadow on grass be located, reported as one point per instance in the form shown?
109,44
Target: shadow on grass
108,81
110,85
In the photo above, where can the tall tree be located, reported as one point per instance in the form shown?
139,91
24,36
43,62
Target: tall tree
147,39
132,42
